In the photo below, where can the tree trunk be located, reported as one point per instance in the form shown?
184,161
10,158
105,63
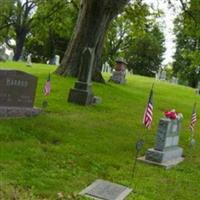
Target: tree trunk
20,39
92,24
52,50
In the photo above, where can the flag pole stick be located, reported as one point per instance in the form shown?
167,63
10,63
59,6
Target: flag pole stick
138,147
191,138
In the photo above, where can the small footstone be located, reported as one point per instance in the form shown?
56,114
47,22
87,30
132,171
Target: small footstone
105,190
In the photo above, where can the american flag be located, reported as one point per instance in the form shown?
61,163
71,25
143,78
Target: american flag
47,86
148,114
193,118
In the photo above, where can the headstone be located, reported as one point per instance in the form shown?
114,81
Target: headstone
163,75
3,55
57,60
104,190
166,151
17,94
29,62
82,92
10,55
119,75
174,80
156,76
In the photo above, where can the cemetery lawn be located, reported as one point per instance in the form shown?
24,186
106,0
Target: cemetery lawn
67,147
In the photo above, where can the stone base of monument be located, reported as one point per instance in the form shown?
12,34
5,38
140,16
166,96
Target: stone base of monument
105,190
18,112
167,158
167,164
118,77
167,154
82,94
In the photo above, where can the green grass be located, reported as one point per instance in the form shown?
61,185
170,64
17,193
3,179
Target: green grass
69,146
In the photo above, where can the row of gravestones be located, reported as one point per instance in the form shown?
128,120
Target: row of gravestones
4,57
162,75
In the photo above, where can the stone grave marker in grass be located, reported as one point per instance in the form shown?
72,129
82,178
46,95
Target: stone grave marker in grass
17,94
105,190
166,152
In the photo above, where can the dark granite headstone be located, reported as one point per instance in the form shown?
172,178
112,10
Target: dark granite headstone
82,92
17,88
17,93
105,190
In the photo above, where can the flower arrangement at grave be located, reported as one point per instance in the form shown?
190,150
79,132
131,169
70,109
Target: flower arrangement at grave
172,114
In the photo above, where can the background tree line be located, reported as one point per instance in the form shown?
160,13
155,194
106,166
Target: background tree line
187,57
45,27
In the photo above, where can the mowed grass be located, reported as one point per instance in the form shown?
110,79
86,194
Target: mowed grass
68,146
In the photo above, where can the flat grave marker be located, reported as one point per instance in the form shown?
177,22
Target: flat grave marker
105,190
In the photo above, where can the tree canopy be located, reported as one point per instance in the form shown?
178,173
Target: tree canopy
187,30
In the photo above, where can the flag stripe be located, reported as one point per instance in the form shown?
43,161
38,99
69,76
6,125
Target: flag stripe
47,86
193,118
148,114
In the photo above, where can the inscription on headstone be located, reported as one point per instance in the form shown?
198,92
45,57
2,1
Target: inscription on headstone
17,88
105,190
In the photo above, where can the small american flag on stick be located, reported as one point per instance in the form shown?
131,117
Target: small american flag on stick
193,118
148,114
47,86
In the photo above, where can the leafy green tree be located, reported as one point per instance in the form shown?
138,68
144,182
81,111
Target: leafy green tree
16,20
145,54
187,29
135,36
56,29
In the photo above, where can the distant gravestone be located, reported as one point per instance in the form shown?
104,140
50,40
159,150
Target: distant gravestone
166,152
104,190
119,74
17,93
57,60
163,75
29,61
3,55
174,80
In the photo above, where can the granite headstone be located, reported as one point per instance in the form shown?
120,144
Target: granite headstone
166,151
82,92
17,93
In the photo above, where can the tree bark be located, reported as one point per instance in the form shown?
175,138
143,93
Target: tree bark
92,24
20,39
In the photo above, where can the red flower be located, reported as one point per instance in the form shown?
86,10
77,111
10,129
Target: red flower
171,114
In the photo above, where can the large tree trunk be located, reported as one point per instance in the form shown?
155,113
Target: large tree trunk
20,39
92,24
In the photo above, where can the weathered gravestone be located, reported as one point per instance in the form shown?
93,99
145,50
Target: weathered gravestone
174,80
105,190
29,61
119,74
3,55
82,92
163,75
166,152
17,94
